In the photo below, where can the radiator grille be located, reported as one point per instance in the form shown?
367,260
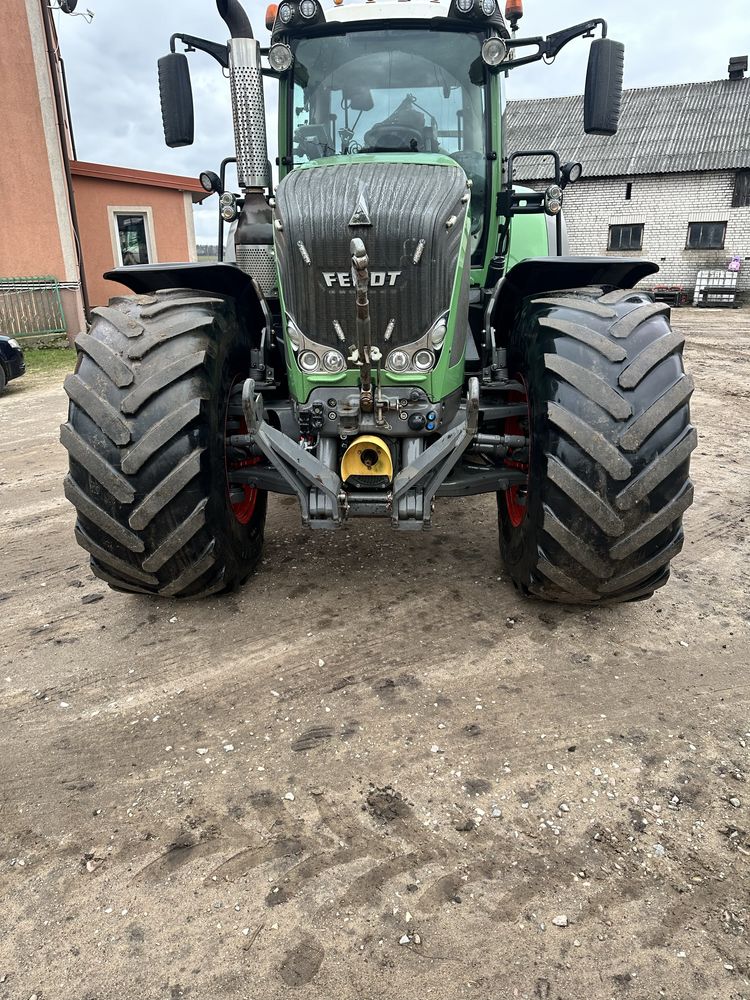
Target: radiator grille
410,206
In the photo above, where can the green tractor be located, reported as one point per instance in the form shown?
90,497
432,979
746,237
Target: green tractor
394,324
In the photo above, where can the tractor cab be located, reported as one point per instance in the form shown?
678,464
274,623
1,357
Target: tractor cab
400,90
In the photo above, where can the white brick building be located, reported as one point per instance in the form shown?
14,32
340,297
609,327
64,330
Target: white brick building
672,186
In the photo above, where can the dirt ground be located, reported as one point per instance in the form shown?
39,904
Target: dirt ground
376,771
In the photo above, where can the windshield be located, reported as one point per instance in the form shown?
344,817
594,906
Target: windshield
408,90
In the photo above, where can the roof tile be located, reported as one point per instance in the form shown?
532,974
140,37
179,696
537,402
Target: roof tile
676,129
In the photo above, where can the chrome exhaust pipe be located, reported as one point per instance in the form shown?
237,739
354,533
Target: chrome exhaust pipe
254,236
249,113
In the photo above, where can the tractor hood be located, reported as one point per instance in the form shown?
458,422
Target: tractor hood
410,212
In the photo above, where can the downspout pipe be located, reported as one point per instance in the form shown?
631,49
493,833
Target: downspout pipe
60,115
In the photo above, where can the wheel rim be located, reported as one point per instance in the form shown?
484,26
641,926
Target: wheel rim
242,498
517,496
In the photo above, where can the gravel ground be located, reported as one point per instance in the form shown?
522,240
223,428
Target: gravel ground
376,771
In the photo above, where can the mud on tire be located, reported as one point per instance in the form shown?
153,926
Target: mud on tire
146,440
610,448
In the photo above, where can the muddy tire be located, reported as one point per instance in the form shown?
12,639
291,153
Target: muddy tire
146,439
608,468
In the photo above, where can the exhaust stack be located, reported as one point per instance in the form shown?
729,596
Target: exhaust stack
254,236
249,112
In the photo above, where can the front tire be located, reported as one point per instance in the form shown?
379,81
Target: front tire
600,518
146,436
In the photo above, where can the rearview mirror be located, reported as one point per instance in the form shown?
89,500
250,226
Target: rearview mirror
359,98
603,97
176,100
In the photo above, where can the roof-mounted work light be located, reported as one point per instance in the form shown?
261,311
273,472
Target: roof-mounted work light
297,15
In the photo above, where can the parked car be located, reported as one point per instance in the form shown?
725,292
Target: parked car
12,363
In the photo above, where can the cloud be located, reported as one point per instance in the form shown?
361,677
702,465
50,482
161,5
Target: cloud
111,69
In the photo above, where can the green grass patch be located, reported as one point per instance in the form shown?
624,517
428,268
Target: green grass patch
40,360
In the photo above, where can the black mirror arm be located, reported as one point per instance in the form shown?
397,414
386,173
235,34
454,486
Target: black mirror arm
217,51
548,48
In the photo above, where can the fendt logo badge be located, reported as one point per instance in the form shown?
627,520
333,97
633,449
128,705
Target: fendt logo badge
378,279
361,214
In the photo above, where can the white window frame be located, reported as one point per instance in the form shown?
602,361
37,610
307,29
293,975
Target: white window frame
147,212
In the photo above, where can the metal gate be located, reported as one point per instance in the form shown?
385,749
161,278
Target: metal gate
30,307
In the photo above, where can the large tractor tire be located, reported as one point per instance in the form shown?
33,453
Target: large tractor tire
146,435
600,517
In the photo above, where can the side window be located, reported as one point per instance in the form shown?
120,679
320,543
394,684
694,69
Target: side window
132,238
626,237
706,235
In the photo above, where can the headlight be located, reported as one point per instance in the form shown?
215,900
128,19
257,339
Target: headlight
308,8
228,208
553,198
308,361
397,361
280,57
293,333
488,7
333,361
286,13
14,344
438,332
494,51
464,5
423,360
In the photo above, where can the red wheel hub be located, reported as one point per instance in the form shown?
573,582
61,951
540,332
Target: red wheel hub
243,507
516,496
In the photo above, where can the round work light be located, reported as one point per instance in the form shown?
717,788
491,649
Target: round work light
280,57
494,51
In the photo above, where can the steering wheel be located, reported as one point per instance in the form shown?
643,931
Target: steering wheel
394,136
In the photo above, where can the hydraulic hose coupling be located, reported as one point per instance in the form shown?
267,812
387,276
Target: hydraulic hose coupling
248,110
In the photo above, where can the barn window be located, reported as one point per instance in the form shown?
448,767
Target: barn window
741,197
706,235
626,237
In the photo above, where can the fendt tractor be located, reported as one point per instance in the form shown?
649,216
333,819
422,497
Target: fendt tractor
395,323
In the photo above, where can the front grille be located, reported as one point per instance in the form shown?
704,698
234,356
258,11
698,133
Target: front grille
259,263
416,211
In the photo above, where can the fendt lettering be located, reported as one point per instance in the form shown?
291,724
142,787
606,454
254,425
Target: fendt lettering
553,384
378,279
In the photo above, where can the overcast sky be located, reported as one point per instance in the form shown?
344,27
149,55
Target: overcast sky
111,68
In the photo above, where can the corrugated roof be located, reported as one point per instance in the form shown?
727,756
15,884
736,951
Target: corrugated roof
687,127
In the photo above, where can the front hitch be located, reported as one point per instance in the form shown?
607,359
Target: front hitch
324,501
